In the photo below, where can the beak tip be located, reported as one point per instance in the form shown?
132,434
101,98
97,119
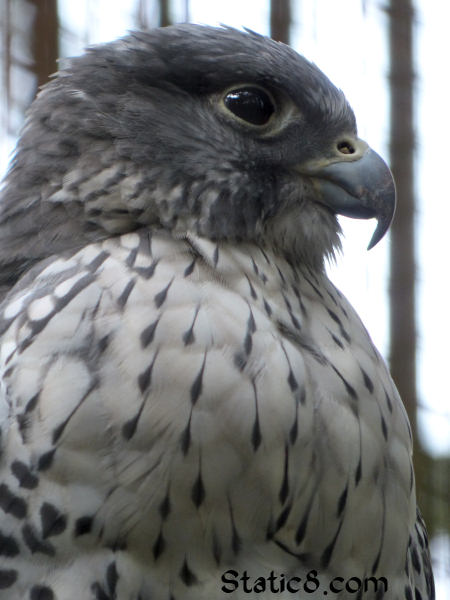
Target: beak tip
361,188
386,212
376,237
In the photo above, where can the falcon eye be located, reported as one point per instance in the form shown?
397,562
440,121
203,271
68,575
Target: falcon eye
250,104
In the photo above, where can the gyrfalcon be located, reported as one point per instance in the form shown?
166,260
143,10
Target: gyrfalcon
189,409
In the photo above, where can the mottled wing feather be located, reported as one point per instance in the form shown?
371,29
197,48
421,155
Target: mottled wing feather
190,406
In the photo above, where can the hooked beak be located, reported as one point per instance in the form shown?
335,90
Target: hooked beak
357,183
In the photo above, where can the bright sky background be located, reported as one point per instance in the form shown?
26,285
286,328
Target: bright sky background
347,40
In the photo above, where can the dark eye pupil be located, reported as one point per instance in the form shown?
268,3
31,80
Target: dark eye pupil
250,104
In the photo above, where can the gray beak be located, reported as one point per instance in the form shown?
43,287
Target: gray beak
358,184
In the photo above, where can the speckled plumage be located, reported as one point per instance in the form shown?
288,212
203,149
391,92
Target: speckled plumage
184,391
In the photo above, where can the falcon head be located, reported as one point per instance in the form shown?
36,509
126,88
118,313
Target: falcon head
226,134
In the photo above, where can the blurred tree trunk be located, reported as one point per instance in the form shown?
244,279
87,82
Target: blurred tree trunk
164,13
29,38
45,39
145,12
280,20
403,266
403,334
6,59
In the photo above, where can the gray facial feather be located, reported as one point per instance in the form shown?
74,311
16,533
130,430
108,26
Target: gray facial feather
130,134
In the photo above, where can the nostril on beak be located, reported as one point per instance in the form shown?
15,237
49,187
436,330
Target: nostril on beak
345,147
